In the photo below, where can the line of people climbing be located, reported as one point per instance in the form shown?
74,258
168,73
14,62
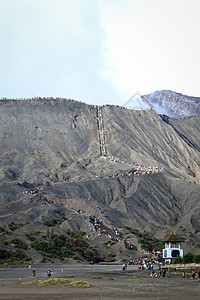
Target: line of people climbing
38,188
100,227
137,168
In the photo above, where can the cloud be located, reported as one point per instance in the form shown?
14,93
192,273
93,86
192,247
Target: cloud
152,45
52,48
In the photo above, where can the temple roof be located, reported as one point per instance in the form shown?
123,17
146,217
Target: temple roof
173,237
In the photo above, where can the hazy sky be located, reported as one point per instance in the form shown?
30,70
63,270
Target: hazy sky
99,51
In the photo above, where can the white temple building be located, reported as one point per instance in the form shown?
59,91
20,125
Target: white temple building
172,247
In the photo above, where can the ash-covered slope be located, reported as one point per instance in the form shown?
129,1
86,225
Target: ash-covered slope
44,140
173,104
48,139
187,128
38,136
144,137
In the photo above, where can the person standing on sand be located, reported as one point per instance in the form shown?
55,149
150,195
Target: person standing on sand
175,271
164,272
160,273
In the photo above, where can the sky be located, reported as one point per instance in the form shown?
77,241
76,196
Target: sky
98,51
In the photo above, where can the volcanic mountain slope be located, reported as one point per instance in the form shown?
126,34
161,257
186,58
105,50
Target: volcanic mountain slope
187,128
57,140
173,104
40,136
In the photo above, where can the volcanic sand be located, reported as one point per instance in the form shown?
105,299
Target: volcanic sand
107,282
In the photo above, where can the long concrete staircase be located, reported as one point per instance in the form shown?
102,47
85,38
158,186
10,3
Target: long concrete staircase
102,143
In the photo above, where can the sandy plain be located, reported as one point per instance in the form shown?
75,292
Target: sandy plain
107,282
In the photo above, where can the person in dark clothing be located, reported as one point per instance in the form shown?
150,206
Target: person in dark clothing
193,274
160,273
164,273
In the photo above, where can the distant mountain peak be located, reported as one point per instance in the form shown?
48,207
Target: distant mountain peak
173,104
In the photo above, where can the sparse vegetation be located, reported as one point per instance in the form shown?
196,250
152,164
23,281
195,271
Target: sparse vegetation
151,243
2,229
42,246
59,282
75,235
54,222
187,258
60,247
147,242
13,257
34,233
111,255
48,234
177,260
18,243
31,235
109,243
13,226
136,232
